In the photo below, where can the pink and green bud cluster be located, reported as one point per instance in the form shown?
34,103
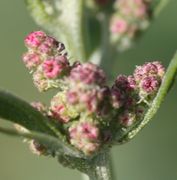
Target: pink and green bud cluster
85,136
130,17
138,91
45,59
148,78
80,105
86,87
89,113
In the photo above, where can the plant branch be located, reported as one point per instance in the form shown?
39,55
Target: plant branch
52,143
164,89
100,168
161,5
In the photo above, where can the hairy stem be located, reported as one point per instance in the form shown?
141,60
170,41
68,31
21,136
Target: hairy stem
100,167
107,51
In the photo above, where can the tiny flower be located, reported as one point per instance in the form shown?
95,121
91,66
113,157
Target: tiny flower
48,45
90,148
118,25
88,130
60,112
150,84
40,81
87,73
89,98
127,118
132,8
149,69
72,97
31,60
51,68
84,136
37,148
160,68
125,83
60,109
129,18
34,39
140,111
117,97
55,66
132,85
40,107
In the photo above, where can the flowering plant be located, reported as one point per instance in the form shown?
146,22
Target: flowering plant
87,115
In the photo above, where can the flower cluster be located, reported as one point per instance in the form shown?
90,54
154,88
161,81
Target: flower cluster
130,17
79,105
89,113
135,93
45,59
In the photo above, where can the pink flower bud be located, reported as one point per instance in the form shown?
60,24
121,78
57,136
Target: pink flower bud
59,112
72,97
84,136
31,60
89,98
127,119
88,130
149,69
34,39
40,81
87,73
118,25
150,84
132,85
117,97
48,46
125,83
160,68
55,66
51,68
40,107
60,109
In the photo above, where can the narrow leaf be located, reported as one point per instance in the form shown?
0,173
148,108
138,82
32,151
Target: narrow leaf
48,141
18,111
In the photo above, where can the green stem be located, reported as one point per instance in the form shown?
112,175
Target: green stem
160,7
107,51
101,167
79,35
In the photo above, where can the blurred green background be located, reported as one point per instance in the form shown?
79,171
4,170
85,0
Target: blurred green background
152,155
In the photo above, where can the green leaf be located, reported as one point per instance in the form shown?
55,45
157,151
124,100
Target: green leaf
167,82
52,143
44,14
18,111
